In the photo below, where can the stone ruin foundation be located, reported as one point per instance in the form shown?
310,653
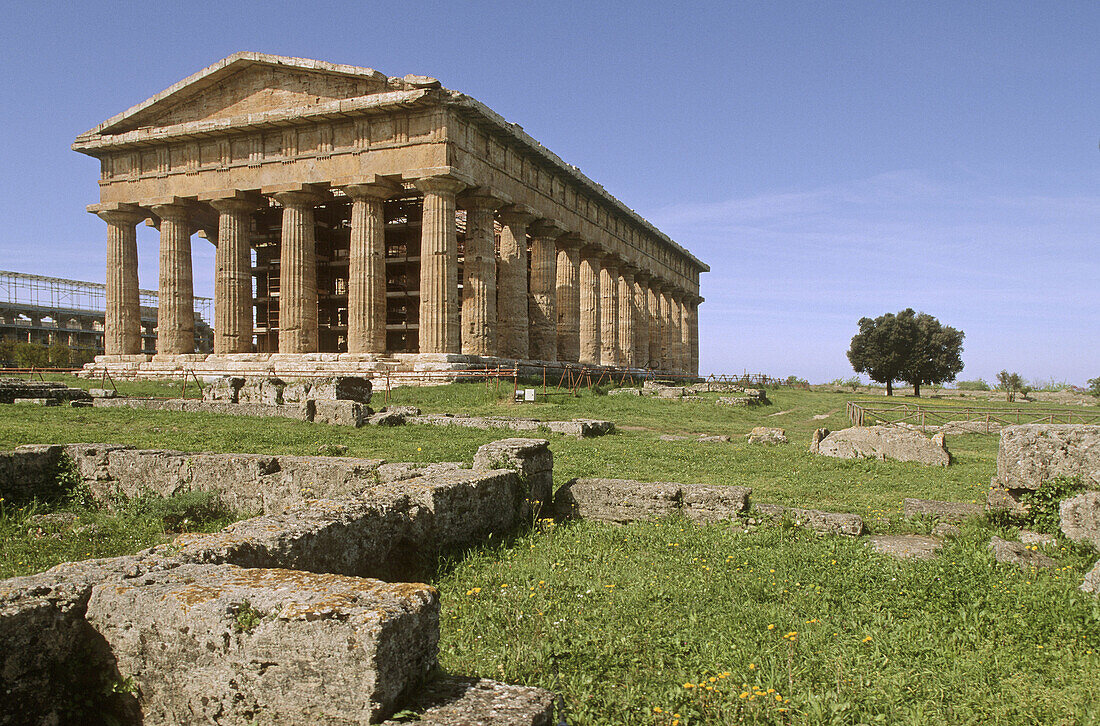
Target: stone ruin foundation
304,614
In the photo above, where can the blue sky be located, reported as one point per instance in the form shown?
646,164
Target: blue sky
828,160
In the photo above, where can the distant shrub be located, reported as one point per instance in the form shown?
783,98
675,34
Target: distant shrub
1049,385
1094,386
852,382
978,385
796,381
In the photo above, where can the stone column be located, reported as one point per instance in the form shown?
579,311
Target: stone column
569,299
367,266
176,299
656,324
627,317
641,322
589,282
233,273
479,286
693,332
543,309
609,313
676,353
685,333
512,323
439,315
298,332
122,321
666,330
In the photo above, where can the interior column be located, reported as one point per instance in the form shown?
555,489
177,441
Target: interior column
439,313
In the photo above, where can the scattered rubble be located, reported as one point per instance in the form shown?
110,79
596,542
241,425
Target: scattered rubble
1080,517
766,435
45,393
1031,454
1019,554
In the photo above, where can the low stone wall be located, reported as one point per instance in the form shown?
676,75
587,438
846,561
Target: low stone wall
343,413
275,615
14,389
625,500
579,427
275,391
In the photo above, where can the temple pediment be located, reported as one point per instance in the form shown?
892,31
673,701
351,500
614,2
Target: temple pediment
245,84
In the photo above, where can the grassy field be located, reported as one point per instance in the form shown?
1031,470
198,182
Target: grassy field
667,623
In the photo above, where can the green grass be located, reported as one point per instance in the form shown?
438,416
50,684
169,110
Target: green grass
630,615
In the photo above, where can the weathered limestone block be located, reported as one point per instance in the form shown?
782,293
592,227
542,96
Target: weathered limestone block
36,402
624,392
268,391
400,471
103,393
616,500
12,389
766,435
295,647
1031,454
882,442
457,701
1018,553
1080,517
1092,580
947,511
706,504
824,522
531,458
721,439
386,418
340,413
1038,538
223,388
402,410
905,546
584,428
29,472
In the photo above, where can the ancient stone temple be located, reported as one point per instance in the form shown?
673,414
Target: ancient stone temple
364,223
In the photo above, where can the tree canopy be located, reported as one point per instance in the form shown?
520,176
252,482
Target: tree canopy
907,346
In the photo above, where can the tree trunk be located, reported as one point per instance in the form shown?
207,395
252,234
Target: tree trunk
889,388
916,389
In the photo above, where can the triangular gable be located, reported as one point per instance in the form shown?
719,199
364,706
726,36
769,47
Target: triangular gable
243,84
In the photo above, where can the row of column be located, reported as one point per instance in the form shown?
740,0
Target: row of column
579,304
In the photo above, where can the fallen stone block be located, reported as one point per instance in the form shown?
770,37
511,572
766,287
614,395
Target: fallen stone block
1031,454
624,392
947,511
1019,554
36,402
223,388
1092,580
882,442
402,410
616,500
30,472
296,647
766,435
1080,517
339,412
674,437
402,471
850,525
103,393
457,701
706,504
530,458
720,439
386,418
946,530
905,546
584,428
1037,538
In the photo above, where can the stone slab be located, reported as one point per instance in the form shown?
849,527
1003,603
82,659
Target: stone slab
617,500
295,647
1091,582
905,546
531,459
766,435
882,442
707,504
457,701
1019,554
947,511
850,525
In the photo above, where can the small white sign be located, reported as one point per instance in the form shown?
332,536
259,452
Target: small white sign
529,394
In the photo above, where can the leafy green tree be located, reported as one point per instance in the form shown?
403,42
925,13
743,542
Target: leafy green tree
1010,383
883,346
910,347
1094,386
936,356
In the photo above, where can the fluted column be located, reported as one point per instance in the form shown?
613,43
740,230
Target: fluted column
512,306
233,274
569,299
176,298
367,266
677,345
609,313
641,321
589,282
627,316
656,337
693,334
685,333
439,313
298,332
666,331
122,320
479,286
542,312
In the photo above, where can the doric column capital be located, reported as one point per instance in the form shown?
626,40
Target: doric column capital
439,185
481,199
301,195
545,229
593,252
118,213
174,209
569,241
367,187
642,277
232,200
516,214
